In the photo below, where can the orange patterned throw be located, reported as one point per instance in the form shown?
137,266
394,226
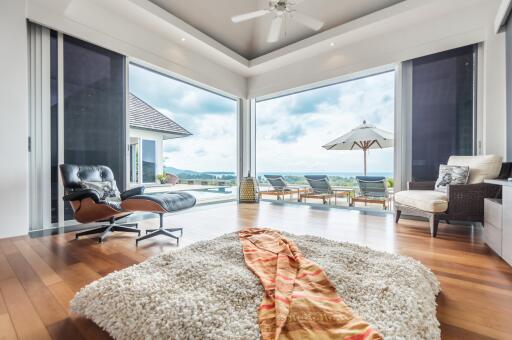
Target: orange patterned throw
300,301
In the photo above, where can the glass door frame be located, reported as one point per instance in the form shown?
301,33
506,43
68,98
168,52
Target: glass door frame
40,191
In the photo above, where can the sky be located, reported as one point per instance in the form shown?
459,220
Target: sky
209,117
290,130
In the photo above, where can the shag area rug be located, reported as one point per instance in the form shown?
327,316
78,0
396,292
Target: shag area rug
205,291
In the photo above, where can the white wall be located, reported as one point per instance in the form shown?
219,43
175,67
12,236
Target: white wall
494,118
13,119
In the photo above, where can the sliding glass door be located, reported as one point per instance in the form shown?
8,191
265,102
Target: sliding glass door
78,116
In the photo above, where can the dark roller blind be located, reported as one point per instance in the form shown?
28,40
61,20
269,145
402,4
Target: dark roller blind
443,102
94,107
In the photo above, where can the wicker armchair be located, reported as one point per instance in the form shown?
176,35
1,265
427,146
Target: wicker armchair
464,202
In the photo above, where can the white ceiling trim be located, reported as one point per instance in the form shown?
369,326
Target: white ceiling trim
502,15
384,20
305,48
142,30
321,42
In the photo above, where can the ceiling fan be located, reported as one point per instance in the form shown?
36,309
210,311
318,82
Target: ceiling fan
280,9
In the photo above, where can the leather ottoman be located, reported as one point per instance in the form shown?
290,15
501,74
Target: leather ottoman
160,204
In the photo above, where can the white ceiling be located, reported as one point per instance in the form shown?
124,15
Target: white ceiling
248,39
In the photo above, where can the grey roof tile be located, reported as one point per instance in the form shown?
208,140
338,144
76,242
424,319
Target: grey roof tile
144,116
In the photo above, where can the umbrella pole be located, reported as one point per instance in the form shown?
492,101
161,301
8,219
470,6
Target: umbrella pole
364,150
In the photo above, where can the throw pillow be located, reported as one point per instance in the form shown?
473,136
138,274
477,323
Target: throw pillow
107,190
451,174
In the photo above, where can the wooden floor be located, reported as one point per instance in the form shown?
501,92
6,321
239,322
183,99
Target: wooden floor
39,276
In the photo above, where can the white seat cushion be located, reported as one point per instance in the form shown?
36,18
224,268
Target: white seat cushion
426,200
480,167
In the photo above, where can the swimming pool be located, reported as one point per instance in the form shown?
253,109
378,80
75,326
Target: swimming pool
212,194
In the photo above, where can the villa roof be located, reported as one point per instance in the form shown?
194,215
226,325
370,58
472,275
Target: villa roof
144,116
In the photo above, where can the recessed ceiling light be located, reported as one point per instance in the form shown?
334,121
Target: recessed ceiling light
332,44
183,39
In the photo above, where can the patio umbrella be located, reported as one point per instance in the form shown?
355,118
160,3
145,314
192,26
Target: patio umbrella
363,137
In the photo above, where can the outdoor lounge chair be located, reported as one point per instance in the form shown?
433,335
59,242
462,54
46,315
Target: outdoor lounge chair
320,188
372,189
279,187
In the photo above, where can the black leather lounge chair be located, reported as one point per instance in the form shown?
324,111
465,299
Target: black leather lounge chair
95,205
88,204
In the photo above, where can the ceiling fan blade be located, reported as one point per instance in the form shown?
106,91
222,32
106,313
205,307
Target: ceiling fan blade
249,16
275,29
307,21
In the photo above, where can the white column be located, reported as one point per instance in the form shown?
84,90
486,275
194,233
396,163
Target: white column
246,136
403,141
40,127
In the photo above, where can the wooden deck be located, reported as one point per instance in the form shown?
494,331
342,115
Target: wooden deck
39,276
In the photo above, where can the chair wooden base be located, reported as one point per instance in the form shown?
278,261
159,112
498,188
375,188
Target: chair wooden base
281,194
323,197
367,200
278,194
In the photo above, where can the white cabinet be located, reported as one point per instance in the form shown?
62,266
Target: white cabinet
506,243
493,224
498,235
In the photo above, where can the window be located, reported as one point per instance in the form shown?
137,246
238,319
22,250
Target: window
148,161
291,130
443,109
186,136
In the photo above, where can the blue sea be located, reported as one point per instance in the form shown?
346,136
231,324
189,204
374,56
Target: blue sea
338,174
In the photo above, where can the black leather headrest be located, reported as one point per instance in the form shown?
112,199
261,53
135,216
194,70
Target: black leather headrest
73,175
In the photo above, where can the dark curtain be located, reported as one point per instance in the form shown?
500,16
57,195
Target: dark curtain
443,102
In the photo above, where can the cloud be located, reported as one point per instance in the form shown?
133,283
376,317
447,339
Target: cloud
171,146
306,102
290,135
176,96
200,152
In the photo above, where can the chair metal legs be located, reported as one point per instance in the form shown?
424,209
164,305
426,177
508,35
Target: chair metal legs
161,231
105,230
